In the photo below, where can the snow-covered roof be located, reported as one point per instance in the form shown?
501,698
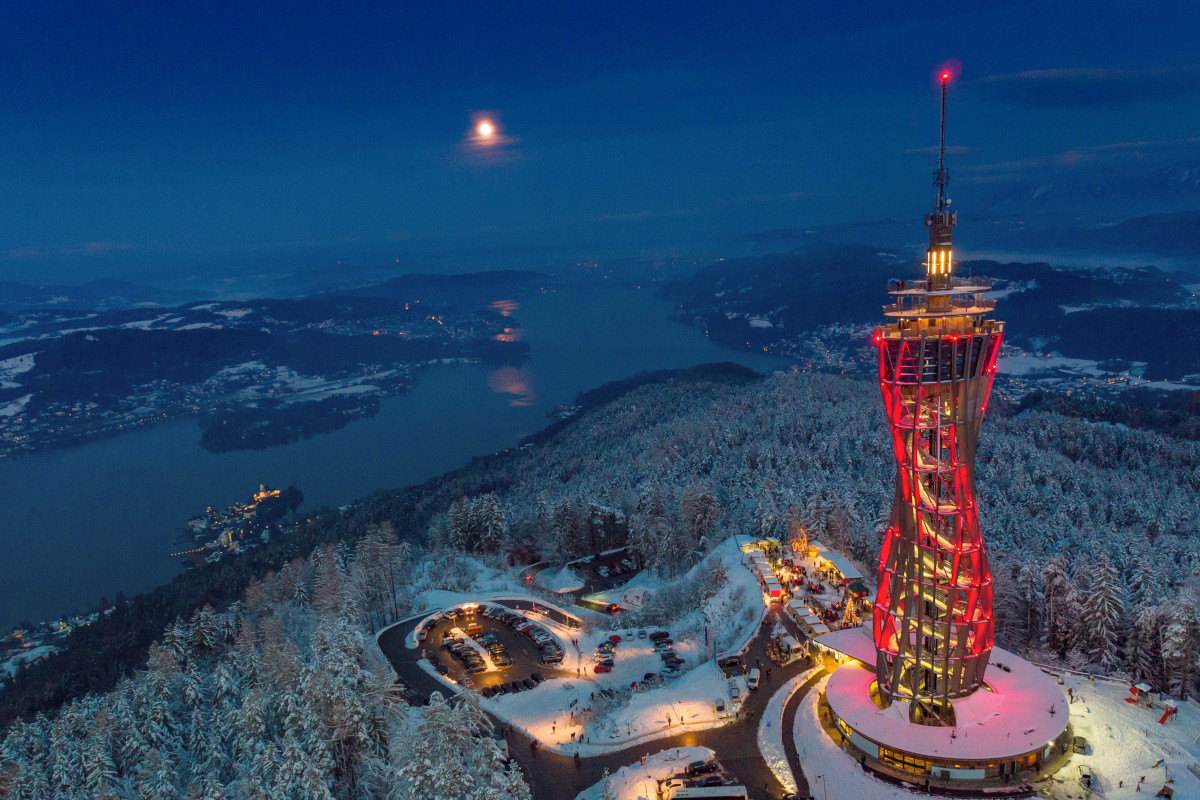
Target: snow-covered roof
1011,719
841,564
819,629
853,642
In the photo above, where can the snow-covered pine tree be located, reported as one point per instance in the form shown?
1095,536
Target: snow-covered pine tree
1031,599
1104,616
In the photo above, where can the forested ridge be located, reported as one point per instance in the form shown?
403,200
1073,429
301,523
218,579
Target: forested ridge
1091,532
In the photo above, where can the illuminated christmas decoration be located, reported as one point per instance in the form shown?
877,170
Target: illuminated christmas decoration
932,619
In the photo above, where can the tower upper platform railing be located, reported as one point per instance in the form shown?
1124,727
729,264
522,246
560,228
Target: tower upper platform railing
924,287
951,307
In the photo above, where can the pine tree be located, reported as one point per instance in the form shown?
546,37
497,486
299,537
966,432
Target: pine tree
493,527
1145,645
1104,616
1031,598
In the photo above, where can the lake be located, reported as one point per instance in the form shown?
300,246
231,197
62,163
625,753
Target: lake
104,517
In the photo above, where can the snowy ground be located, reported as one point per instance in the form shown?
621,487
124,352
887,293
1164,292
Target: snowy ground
1125,742
12,367
15,407
770,731
640,781
551,712
559,580
832,774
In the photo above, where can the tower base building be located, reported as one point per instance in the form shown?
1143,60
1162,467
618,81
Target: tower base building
1007,731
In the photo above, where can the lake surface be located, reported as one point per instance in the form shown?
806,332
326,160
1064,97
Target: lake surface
104,517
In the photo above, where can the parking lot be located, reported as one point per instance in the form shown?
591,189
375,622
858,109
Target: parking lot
507,644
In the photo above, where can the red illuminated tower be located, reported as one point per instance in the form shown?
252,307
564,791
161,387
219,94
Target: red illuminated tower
932,620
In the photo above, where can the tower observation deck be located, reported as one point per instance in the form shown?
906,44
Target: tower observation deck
932,619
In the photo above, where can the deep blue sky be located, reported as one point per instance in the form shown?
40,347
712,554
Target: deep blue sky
202,134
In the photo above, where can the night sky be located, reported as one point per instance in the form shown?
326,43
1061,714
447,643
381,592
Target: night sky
194,135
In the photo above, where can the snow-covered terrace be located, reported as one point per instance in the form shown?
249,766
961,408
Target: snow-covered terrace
1018,711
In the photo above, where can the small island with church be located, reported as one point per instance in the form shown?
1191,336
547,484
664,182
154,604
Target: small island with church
239,526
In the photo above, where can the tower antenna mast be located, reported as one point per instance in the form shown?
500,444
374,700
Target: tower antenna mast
942,178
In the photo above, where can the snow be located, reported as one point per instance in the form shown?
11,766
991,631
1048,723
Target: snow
17,364
1125,741
15,407
640,781
143,324
759,322
820,758
234,313
689,702
853,642
9,668
770,731
558,580
12,367
1012,719
1025,365
198,325
237,369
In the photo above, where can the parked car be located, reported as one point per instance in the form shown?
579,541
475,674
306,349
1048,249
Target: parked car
515,686
1086,778
698,767
720,707
537,677
660,635
641,633
528,683
488,691
1079,745
603,668
752,680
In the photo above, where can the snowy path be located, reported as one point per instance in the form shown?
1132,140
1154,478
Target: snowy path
771,733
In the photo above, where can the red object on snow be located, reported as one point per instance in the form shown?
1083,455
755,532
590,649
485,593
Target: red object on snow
1166,715
615,639
1130,699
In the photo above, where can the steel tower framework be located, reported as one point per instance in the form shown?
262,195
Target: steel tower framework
932,620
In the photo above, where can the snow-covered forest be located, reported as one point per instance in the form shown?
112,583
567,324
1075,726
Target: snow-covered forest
1091,528
1091,531
282,696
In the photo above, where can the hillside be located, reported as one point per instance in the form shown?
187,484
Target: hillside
777,302
670,469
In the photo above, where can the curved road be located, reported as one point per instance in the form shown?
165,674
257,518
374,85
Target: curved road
556,777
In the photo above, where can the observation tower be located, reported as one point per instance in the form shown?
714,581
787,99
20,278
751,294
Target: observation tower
932,619
927,697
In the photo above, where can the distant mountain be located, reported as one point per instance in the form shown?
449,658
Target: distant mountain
757,302
1100,194
469,288
98,295
1173,237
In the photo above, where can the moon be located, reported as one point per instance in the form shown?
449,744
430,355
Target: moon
486,129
